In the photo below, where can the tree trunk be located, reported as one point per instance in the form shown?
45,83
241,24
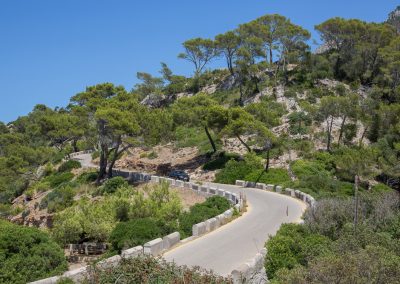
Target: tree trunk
210,139
103,151
329,134
74,145
241,103
362,136
356,180
244,143
230,65
342,129
114,158
267,165
270,54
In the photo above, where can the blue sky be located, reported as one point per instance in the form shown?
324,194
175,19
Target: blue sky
52,49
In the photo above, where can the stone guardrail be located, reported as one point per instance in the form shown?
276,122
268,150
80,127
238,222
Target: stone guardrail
159,246
253,271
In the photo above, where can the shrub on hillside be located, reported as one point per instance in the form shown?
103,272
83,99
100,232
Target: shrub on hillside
238,170
58,199
147,269
28,254
113,184
68,166
272,176
59,178
293,245
212,207
135,232
220,161
87,177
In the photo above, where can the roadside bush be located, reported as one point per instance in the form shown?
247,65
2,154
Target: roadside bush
87,177
28,254
58,199
147,269
200,212
238,170
113,184
293,245
272,176
59,178
68,166
135,232
220,161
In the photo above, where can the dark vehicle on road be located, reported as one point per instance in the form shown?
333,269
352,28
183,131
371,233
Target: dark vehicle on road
180,175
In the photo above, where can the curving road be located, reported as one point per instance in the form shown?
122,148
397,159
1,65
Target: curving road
231,245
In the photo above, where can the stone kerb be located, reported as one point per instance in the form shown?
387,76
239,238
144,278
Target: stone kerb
240,183
132,252
110,262
199,229
260,185
171,240
154,247
211,224
278,189
212,191
204,189
252,271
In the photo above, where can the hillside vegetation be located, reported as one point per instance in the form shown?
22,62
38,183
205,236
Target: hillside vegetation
324,122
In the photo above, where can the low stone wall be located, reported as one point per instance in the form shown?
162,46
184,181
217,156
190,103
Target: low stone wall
306,198
252,271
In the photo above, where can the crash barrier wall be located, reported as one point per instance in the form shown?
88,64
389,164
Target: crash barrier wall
253,271
160,245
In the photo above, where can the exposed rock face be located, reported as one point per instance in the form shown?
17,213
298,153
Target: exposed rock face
229,82
157,101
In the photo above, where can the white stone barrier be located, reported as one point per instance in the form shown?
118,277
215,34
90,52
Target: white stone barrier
171,240
154,247
240,183
252,271
132,252
199,229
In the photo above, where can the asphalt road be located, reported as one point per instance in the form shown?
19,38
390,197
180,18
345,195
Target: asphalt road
233,244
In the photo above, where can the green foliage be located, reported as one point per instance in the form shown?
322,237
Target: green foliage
200,212
112,185
87,177
275,176
27,254
135,232
59,199
58,179
68,166
293,245
147,269
220,161
238,170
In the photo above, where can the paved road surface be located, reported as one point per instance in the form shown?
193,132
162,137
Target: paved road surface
233,244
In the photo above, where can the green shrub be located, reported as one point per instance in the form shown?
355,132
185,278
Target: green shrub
210,208
150,270
220,161
380,187
113,184
28,254
58,199
193,137
238,170
59,178
134,233
291,246
68,166
272,176
87,177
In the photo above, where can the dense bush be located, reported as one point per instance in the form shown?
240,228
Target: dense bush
328,246
238,170
272,176
113,184
147,269
136,232
59,199
87,177
27,254
200,212
220,161
293,245
59,178
69,165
